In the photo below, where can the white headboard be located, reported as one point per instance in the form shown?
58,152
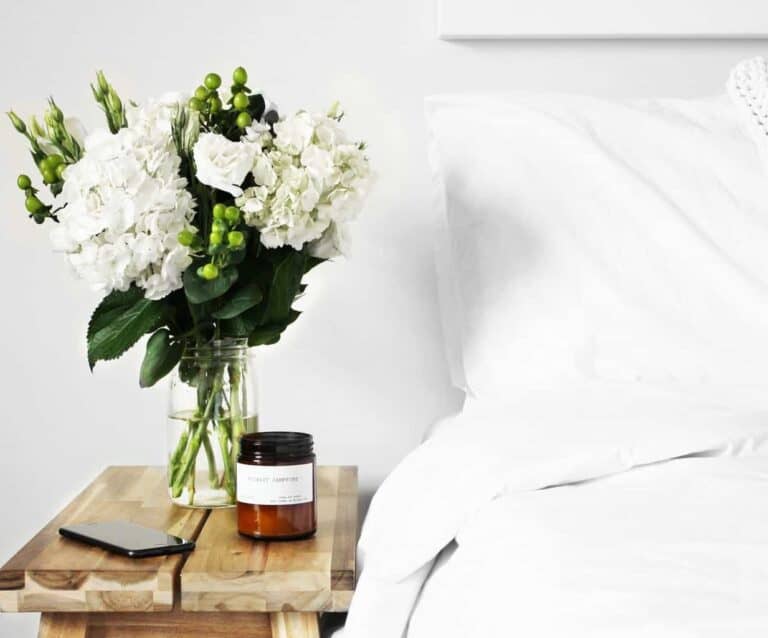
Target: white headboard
462,19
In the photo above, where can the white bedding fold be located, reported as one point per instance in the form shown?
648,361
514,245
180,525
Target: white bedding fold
545,438
677,549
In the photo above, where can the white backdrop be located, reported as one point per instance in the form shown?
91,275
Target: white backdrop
363,369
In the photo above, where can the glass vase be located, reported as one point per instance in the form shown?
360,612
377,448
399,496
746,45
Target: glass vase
213,402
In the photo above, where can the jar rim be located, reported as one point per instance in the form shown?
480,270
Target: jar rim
235,346
276,444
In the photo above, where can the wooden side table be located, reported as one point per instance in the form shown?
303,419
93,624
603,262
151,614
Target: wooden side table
229,586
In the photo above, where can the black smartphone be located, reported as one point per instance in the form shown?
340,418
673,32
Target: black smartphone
127,539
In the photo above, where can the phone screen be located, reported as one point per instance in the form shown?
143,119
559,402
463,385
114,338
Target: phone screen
126,537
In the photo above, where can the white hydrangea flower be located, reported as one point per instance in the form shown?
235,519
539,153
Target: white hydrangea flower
222,163
124,205
294,133
310,182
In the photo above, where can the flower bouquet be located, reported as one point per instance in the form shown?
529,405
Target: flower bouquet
197,218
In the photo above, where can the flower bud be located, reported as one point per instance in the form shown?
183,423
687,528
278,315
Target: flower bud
103,84
17,122
335,112
113,101
35,127
55,111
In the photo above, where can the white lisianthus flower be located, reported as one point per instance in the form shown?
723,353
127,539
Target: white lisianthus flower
310,182
123,206
222,163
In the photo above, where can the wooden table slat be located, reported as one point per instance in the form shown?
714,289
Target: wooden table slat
228,572
55,574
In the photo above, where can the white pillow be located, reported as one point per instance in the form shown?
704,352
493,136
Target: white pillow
596,239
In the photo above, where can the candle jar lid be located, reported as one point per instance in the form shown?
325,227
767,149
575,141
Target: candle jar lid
276,446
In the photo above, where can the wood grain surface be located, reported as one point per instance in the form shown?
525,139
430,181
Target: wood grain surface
55,574
228,572
86,592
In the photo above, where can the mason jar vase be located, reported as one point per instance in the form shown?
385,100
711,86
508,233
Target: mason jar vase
213,402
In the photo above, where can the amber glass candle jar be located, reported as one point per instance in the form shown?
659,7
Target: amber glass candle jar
276,490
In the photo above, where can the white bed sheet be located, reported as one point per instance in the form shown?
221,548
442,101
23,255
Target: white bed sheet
676,549
498,457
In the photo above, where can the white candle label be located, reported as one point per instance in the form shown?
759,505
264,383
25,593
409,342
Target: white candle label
275,484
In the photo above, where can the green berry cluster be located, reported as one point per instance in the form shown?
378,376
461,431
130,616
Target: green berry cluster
36,209
244,106
225,241
53,148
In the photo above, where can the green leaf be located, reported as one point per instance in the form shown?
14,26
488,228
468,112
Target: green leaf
312,262
119,321
199,290
161,357
285,287
267,335
243,324
242,298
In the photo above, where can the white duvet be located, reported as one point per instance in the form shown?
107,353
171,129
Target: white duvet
632,540
676,549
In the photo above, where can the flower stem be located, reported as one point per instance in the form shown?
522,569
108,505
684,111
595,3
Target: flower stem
198,427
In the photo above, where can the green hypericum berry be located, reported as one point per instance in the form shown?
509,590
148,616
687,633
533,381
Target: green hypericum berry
44,164
55,160
219,210
32,204
201,93
215,238
195,104
219,226
235,238
232,214
212,81
244,120
209,271
60,171
214,104
49,176
23,182
186,237
240,76
240,101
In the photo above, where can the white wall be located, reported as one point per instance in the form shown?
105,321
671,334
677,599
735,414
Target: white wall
363,369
